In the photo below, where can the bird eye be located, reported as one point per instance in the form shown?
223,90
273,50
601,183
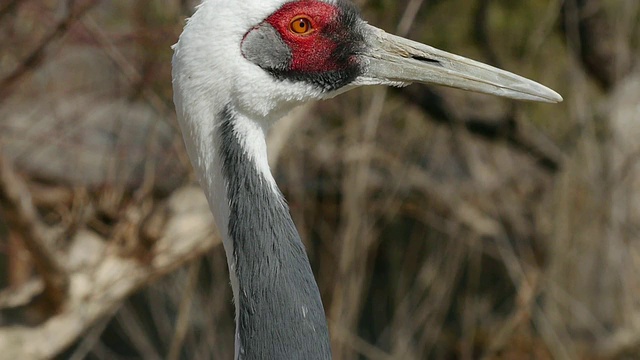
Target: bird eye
301,25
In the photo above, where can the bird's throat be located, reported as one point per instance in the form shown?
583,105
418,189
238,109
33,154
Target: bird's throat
274,279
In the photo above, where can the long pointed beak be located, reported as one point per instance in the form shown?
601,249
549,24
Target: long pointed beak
393,60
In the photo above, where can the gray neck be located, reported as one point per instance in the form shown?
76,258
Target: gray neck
280,313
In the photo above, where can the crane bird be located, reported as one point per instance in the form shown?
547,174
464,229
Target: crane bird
238,67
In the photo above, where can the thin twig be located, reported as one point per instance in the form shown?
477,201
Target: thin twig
126,67
37,56
184,312
359,345
92,337
518,134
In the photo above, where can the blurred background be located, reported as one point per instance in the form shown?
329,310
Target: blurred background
440,224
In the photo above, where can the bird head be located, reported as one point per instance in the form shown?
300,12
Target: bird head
268,56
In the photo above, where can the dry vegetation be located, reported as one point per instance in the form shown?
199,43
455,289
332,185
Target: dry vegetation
440,224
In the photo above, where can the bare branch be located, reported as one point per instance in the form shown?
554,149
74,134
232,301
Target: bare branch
37,56
518,134
17,208
100,278
184,313
606,55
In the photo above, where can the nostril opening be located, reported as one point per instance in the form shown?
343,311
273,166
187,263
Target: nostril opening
426,59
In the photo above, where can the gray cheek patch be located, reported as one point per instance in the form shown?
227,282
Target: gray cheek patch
264,47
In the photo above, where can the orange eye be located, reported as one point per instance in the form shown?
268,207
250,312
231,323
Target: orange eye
301,25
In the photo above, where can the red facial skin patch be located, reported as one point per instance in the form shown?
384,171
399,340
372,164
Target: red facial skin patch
311,52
